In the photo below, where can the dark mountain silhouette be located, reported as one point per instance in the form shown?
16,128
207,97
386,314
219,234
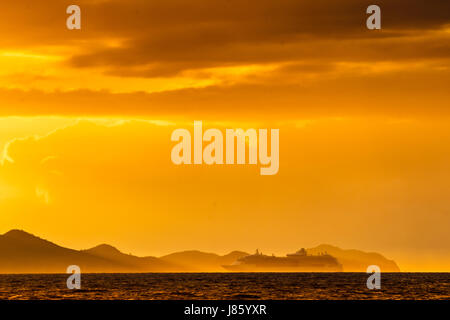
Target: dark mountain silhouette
22,252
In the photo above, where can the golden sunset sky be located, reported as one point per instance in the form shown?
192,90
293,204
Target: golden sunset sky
364,116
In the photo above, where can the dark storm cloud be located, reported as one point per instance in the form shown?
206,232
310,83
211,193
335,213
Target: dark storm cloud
168,37
164,38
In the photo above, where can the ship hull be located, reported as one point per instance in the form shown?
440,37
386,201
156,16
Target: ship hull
255,268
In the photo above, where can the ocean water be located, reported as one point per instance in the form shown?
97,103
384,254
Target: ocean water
235,286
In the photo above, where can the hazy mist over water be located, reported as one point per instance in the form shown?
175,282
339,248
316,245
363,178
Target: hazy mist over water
237,286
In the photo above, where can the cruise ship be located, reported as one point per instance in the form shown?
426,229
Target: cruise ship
294,262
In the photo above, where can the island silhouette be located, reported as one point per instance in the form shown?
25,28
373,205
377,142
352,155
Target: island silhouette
22,252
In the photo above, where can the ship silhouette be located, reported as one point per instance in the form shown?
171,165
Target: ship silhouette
300,261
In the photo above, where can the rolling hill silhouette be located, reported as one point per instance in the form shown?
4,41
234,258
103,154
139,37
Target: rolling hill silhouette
130,262
197,261
22,252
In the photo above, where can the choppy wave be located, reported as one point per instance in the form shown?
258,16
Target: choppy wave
235,286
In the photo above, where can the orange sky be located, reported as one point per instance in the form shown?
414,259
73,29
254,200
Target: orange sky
86,118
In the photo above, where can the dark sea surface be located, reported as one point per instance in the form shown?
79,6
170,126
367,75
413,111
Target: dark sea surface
235,286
